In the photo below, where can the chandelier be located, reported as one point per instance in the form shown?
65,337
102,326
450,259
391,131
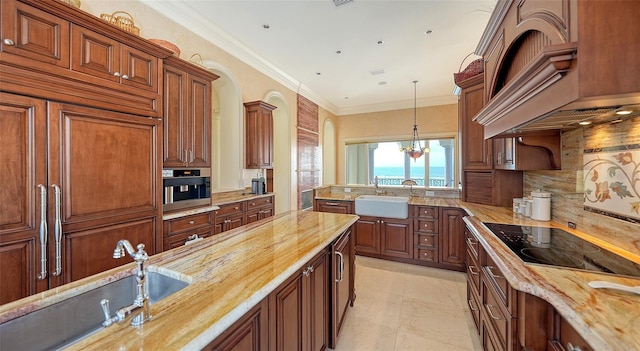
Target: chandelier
415,149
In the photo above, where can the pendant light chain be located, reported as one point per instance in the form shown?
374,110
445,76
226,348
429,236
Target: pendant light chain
415,149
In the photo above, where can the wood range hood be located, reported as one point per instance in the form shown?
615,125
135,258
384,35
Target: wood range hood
551,65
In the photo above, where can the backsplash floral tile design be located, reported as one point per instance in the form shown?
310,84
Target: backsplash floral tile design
612,181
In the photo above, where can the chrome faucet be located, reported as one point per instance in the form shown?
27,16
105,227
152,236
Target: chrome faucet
141,301
375,184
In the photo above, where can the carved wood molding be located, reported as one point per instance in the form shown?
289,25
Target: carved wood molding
546,69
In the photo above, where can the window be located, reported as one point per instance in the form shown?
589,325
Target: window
435,169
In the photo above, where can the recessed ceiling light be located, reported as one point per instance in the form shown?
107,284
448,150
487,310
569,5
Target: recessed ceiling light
623,112
375,72
318,73
266,26
380,42
346,98
428,32
382,83
339,52
584,123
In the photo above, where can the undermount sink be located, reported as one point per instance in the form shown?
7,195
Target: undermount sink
71,320
382,206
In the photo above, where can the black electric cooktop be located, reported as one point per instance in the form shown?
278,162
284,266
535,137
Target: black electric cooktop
555,247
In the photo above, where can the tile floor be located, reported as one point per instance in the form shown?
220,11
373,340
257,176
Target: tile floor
406,307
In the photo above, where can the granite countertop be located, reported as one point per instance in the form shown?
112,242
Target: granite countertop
228,274
606,319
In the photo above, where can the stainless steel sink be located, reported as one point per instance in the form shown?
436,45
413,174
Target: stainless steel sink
382,206
71,320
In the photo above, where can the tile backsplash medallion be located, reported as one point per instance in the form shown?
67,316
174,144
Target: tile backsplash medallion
566,185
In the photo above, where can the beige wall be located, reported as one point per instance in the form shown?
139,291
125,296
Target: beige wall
433,121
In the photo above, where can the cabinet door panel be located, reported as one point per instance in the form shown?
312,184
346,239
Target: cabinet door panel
396,238
367,235
95,54
36,35
319,300
174,120
286,321
342,283
23,153
199,110
453,236
140,68
107,166
91,251
251,333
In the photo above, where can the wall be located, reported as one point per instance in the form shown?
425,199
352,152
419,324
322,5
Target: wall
565,185
433,121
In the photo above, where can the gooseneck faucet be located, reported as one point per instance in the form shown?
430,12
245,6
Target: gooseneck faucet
141,302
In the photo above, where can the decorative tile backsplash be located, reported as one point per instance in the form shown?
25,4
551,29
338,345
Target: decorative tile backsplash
612,181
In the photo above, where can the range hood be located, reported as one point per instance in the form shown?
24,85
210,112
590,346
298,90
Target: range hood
537,80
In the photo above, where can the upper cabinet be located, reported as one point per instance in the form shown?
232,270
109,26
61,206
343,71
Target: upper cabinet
259,135
54,51
476,151
187,114
527,152
549,64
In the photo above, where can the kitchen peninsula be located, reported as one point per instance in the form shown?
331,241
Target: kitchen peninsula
228,275
535,293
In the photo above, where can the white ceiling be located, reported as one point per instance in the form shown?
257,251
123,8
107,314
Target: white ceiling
300,47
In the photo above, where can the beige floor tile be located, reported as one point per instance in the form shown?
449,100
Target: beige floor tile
405,307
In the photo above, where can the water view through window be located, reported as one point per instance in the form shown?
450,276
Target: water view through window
436,168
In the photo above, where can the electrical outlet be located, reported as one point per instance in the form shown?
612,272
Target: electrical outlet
347,190
571,225
429,193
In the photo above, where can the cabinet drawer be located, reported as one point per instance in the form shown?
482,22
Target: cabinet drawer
472,245
263,201
233,208
426,240
474,305
497,280
180,239
498,319
473,272
189,222
430,255
427,225
426,212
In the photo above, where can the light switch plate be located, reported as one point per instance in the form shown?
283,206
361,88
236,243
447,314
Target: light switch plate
430,193
347,190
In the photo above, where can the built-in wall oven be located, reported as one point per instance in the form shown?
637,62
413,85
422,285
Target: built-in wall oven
186,188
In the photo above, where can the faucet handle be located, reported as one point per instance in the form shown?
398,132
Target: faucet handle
108,320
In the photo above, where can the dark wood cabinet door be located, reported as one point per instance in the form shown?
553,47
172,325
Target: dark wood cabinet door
24,167
95,54
396,237
285,315
318,309
367,233
138,69
343,207
88,151
250,333
199,119
476,151
342,282
34,35
453,237
175,118
258,135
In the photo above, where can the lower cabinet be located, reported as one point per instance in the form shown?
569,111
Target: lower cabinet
260,208
178,231
230,216
384,237
342,280
251,332
452,237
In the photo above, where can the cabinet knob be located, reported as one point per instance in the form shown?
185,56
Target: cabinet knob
117,74
426,225
9,42
426,239
235,208
426,254
253,204
124,76
570,347
191,222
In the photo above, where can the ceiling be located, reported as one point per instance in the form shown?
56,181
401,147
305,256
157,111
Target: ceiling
358,57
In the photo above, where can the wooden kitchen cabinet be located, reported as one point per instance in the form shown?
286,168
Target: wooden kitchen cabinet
384,237
452,238
53,51
251,332
343,207
230,216
106,58
258,135
178,231
342,281
426,238
259,208
187,115
528,152
63,171
299,317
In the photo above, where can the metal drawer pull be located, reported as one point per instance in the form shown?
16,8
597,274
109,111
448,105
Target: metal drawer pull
43,232
9,42
124,76
57,230
341,267
471,306
117,74
472,242
472,270
191,222
495,276
491,313
570,347
192,239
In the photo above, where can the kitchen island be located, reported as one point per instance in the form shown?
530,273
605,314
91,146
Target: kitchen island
228,274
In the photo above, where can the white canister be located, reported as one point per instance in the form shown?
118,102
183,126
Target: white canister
528,203
517,202
541,207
